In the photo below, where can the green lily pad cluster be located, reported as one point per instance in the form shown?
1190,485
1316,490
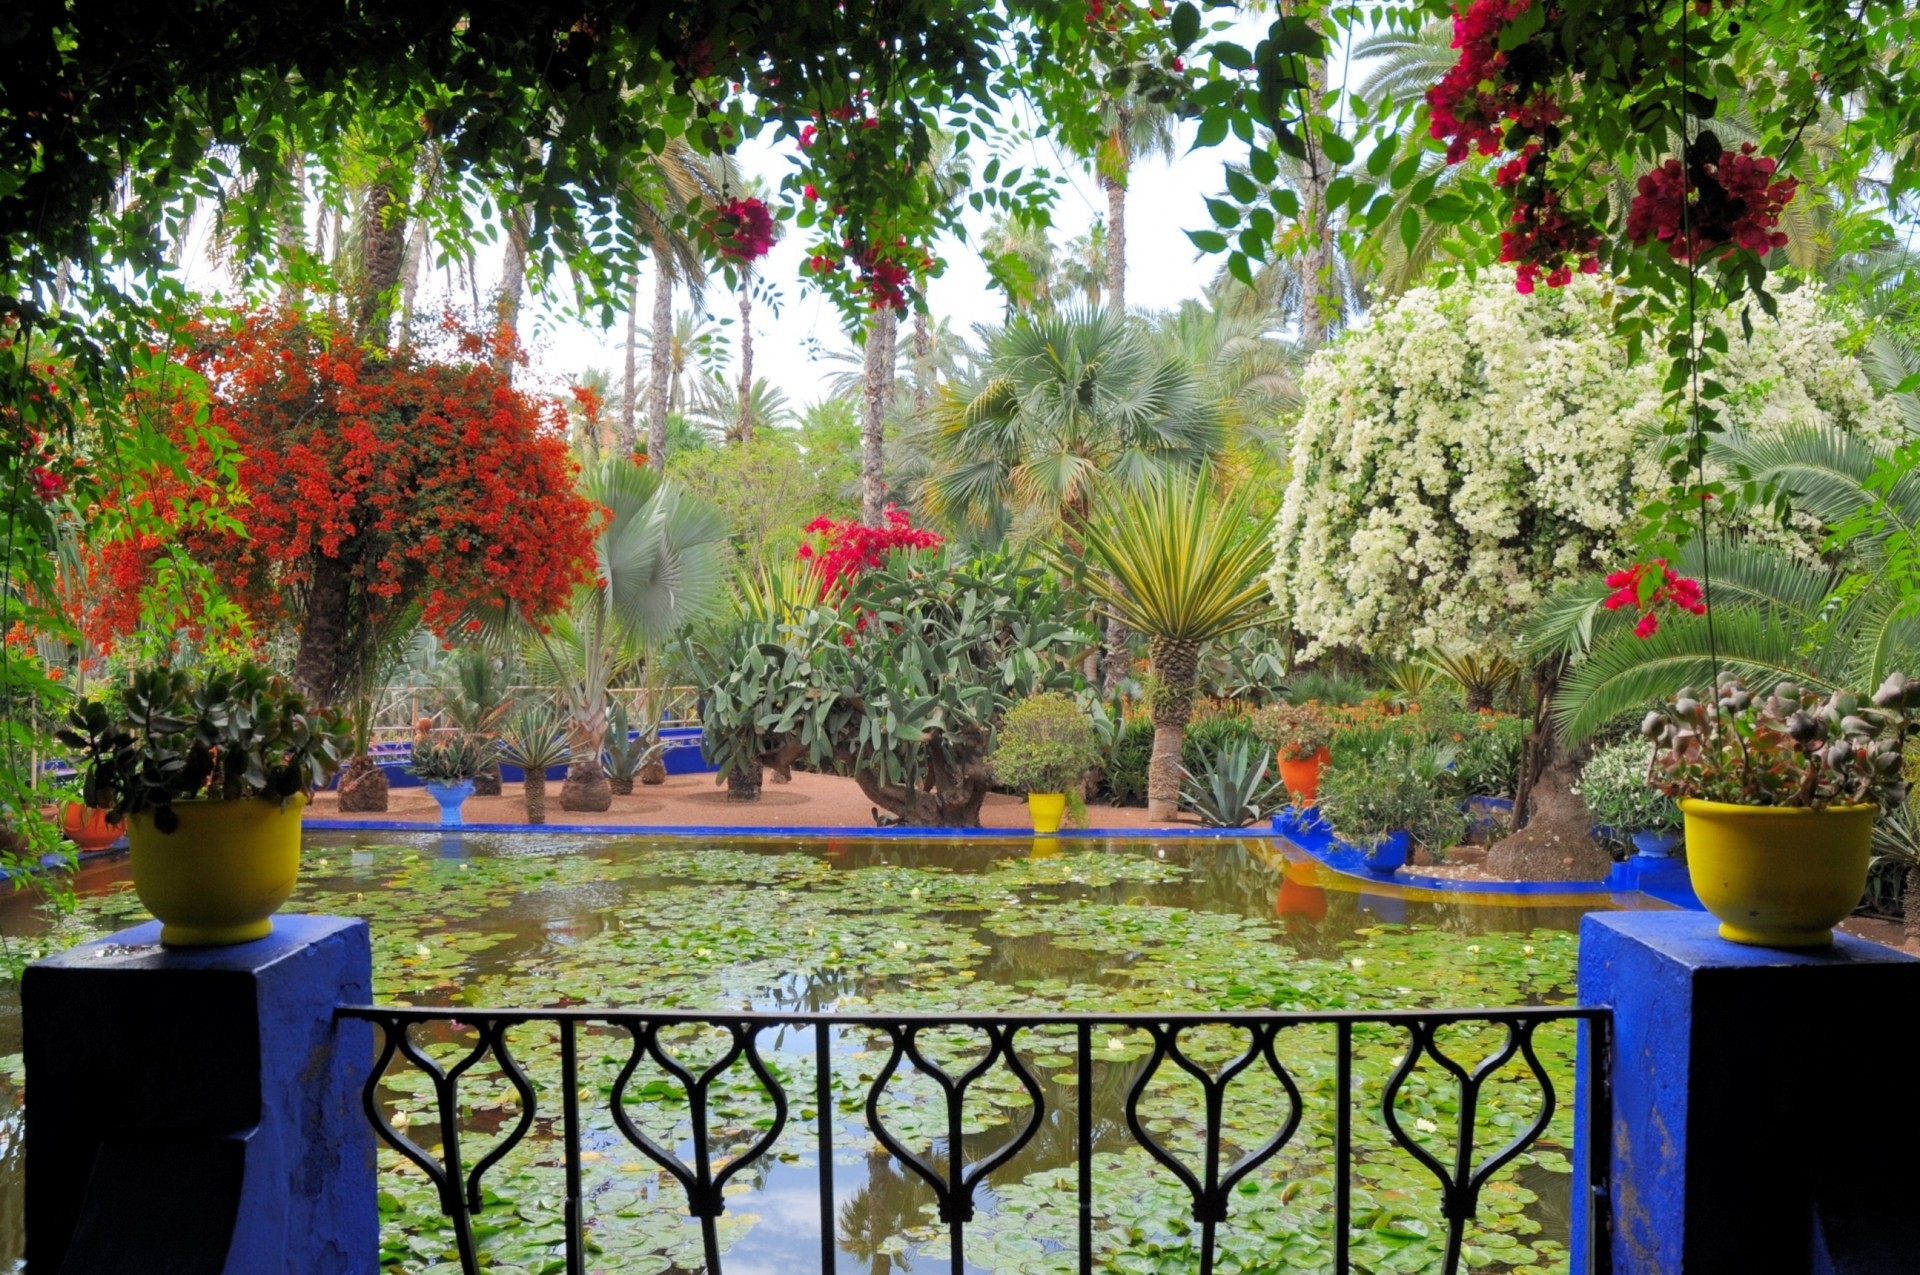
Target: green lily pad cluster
868,927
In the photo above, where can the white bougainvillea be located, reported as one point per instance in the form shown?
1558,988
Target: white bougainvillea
1463,450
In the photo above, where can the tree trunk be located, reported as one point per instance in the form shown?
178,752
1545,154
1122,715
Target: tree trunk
1537,754
1116,184
875,394
745,785
922,362
536,786
1175,664
660,366
363,787
630,400
429,177
586,788
743,432
1117,664
1910,905
321,665
513,282
949,797
383,252
1320,307
486,783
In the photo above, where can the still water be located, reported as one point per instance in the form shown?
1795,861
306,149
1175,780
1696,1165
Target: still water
868,925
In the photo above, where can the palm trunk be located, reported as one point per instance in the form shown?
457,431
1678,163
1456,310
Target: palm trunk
743,432
630,400
320,663
417,245
1118,661
1176,664
660,366
383,251
876,393
513,282
1320,308
536,784
922,360
1116,184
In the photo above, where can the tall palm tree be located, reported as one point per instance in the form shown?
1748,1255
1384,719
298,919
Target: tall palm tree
1185,571
1135,129
741,431
1020,259
659,190
662,562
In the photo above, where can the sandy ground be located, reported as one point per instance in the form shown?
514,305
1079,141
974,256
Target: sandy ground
810,801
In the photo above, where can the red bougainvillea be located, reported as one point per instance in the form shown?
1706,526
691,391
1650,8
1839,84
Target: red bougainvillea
1633,587
744,229
372,483
1488,88
843,548
1717,199
1545,239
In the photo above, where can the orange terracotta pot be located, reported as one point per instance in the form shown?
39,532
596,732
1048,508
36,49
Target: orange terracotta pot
1302,777
1299,897
88,828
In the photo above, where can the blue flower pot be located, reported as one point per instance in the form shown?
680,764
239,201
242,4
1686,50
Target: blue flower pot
1656,845
451,797
1389,854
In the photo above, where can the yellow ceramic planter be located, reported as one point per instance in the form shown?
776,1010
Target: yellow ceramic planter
1047,809
1778,876
221,875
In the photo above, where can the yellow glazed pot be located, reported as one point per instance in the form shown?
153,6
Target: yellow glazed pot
1778,876
221,875
1047,808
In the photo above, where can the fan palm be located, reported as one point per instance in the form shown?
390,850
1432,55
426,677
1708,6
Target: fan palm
1183,570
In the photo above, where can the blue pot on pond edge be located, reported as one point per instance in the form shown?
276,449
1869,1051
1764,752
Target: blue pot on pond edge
1656,844
451,797
1389,854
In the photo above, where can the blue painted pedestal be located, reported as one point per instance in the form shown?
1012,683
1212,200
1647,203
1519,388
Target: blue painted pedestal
198,1110
1741,1139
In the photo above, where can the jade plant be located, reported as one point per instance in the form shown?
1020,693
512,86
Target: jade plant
167,736
1792,747
1046,744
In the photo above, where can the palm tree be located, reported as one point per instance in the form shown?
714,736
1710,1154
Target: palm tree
1020,259
1184,571
734,414
661,564
1134,129
659,191
742,429
1063,405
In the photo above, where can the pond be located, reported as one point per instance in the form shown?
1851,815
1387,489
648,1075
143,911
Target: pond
871,925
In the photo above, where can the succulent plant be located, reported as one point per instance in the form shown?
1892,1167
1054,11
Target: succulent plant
1791,747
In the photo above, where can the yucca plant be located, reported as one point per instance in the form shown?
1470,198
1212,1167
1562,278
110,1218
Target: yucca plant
1174,564
779,592
629,752
535,739
1234,787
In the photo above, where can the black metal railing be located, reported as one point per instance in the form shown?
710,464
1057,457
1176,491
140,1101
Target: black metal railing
465,1038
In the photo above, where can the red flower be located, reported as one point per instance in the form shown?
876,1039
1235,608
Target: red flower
848,547
744,229
1678,590
1488,87
1648,626
1715,200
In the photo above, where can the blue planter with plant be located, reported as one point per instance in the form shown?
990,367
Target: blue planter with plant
446,766
1389,854
1627,811
1656,843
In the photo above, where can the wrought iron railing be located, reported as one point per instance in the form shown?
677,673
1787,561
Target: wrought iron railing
466,1038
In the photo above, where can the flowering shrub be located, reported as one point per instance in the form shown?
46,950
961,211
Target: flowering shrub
1464,450
1295,732
744,229
1614,787
1717,199
1794,747
845,546
1644,591
372,485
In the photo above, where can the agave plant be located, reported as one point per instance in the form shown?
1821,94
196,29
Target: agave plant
1185,571
628,752
1233,788
534,740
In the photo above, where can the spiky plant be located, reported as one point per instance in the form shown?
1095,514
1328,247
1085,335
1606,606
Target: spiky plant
535,739
1482,677
1176,565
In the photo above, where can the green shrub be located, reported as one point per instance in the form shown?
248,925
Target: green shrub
1402,783
1212,734
1045,744
1614,786
1489,760
1294,732
1326,686
1125,770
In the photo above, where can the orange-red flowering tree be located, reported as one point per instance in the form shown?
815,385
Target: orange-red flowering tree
378,489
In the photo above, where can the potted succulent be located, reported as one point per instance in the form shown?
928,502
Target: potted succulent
447,765
1299,735
1626,809
535,740
1780,792
1044,747
210,774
